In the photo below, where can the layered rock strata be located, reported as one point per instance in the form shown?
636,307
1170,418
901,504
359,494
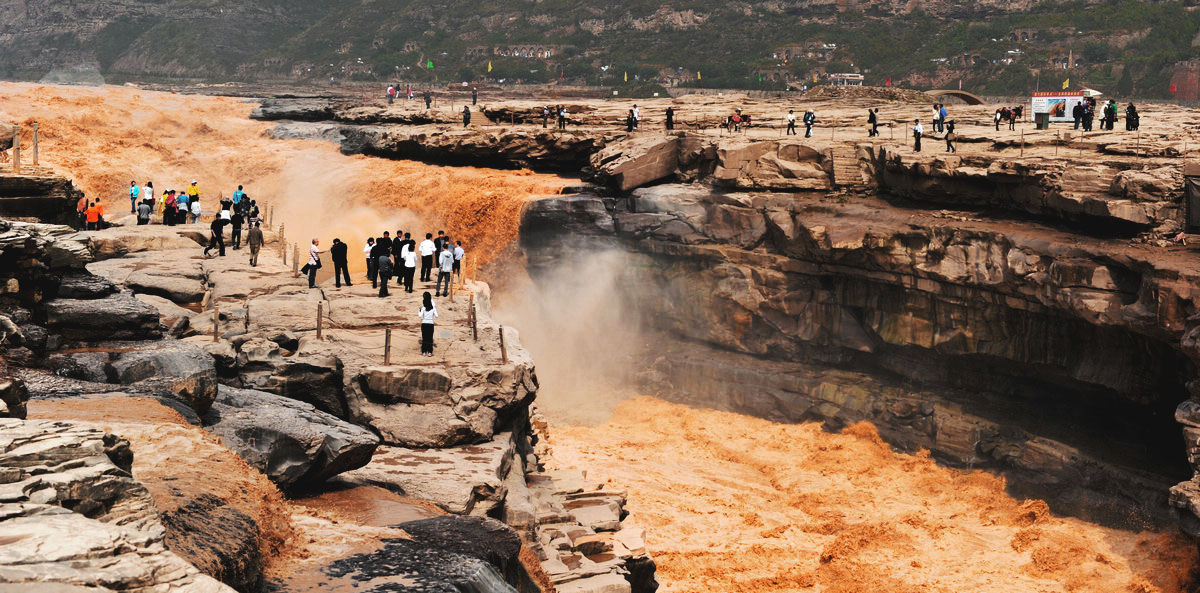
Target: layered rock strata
72,516
969,337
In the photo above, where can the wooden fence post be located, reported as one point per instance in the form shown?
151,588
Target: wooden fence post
387,346
246,315
471,317
1138,149
35,144
1022,142
216,322
16,149
320,311
295,260
1057,140
503,347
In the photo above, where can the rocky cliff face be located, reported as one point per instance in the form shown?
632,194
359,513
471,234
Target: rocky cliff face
961,335
72,516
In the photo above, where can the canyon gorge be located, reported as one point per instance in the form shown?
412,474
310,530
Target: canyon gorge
733,361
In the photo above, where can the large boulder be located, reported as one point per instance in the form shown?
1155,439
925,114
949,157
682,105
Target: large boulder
636,161
178,289
424,406
464,480
56,246
312,378
118,316
290,441
83,285
187,369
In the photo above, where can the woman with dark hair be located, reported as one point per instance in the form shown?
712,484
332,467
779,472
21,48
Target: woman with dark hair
428,314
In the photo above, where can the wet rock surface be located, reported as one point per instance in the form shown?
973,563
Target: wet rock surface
288,440
445,554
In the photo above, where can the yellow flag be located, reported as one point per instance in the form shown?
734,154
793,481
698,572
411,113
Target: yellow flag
489,65
814,76
1066,83
697,75
626,77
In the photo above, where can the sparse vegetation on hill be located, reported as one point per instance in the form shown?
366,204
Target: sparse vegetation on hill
993,47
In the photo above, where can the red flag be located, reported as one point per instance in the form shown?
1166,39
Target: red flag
1172,88
562,74
888,82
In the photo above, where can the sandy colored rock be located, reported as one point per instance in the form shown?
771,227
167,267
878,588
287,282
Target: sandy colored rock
107,528
464,480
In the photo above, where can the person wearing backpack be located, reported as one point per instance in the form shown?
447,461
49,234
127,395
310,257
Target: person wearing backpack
810,119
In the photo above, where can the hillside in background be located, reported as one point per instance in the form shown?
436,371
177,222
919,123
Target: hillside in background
993,47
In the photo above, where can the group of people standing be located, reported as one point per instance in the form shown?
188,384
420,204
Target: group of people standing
172,206
388,257
236,211
560,114
1084,114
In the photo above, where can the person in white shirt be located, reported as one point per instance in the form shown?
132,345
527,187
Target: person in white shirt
428,314
458,255
195,211
791,120
637,116
314,262
917,131
370,263
427,249
410,267
445,266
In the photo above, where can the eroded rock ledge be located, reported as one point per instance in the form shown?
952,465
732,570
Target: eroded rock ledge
71,514
977,339
302,408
